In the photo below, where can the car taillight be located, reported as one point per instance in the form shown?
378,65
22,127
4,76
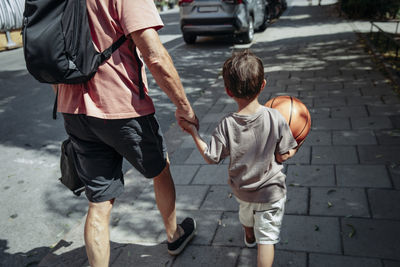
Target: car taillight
184,1
236,2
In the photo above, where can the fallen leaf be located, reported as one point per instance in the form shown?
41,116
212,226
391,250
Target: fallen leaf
331,191
316,228
353,230
330,204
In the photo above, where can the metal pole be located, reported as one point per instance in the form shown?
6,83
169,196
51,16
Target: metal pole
10,42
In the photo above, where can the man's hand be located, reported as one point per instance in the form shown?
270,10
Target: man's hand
186,116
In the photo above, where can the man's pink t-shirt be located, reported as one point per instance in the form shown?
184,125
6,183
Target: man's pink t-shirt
113,93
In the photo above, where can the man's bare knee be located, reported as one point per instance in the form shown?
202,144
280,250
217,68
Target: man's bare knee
101,208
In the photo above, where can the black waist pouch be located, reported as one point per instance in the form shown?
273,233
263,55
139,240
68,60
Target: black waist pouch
69,175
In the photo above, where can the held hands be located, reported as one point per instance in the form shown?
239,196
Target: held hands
188,127
187,116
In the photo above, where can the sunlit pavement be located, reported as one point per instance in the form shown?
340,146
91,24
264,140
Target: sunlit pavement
343,185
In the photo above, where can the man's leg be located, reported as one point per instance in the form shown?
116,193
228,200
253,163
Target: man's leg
164,190
97,235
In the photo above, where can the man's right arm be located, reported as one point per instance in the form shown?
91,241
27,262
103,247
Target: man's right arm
163,70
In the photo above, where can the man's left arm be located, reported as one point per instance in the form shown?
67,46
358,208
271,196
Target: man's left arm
163,70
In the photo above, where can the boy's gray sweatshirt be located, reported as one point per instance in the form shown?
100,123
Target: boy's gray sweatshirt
251,142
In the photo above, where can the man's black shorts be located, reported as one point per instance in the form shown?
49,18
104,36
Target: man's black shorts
100,146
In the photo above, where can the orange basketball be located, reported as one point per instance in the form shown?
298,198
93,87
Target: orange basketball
296,114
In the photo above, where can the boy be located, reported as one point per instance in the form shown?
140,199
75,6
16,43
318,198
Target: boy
257,139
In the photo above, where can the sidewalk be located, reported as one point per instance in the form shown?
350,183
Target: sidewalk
343,185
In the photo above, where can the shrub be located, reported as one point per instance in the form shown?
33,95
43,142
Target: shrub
371,9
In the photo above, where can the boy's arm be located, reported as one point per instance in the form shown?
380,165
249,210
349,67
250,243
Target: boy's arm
200,143
280,158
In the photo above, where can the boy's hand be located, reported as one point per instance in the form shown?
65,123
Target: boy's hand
187,126
283,157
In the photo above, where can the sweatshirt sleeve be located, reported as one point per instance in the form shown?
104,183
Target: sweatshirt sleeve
287,140
218,148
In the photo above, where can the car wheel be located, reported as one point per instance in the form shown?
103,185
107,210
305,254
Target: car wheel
264,25
189,38
248,36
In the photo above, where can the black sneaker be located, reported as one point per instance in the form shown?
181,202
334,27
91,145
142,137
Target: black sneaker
189,228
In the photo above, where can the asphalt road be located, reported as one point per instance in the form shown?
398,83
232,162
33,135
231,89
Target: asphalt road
36,210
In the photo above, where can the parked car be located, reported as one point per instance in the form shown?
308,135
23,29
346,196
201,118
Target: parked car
217,17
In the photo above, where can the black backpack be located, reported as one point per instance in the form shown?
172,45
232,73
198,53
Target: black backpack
58,46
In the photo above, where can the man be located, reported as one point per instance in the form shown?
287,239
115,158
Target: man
111,117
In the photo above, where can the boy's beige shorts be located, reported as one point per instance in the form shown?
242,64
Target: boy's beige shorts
265,218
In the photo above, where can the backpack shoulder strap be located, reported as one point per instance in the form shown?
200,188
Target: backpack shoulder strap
106,54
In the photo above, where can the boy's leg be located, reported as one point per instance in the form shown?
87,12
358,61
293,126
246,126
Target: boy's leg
265,256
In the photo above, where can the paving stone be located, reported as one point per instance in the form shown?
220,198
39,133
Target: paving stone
363,100
289,259
248,257
207,256
183,174
220,197
331,101
330,124
391,263
329,86
388,137
141,255
193,158
188,197
181,155
395,120
384,110
388,99
140,226
310,175
351,83
187,142
297,200
314,93
394,171
379,154
354,137
339,202
212,174
317,260
371,123
318,138
384,203
302,156
212,117
371,238
206,224
377,91
334,155
310,234
362,176
345,92
230,231
319,113
353,111
69,251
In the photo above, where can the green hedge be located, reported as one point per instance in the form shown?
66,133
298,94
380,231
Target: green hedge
371,9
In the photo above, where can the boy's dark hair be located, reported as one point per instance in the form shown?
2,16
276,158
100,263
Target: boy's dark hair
243,74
